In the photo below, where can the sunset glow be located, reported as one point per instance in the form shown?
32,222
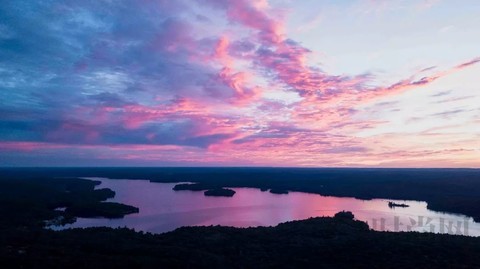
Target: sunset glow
240,83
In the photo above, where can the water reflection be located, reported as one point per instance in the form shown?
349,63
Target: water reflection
162,210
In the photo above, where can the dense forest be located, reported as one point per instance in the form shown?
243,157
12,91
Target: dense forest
339,242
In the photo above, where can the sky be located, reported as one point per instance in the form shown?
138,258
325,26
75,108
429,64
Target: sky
314,83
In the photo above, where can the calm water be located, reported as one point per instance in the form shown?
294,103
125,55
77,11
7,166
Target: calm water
163,210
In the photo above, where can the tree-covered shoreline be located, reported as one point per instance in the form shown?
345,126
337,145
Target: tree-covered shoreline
444,190
27,204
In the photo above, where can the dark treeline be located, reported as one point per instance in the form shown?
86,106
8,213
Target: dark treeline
448,190
339,242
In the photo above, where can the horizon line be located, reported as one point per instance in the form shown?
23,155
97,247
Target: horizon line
222,167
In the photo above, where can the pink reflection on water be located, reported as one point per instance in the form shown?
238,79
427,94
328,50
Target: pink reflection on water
162,210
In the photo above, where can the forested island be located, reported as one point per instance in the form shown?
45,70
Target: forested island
220,192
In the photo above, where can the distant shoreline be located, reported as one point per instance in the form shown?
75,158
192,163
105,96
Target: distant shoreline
453,190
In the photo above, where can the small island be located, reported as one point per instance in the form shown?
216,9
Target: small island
393,205
190,187
223,192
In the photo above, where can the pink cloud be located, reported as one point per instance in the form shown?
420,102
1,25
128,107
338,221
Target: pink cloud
27,146
221,97
252,14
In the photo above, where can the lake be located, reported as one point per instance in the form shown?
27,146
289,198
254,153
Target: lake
163,210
